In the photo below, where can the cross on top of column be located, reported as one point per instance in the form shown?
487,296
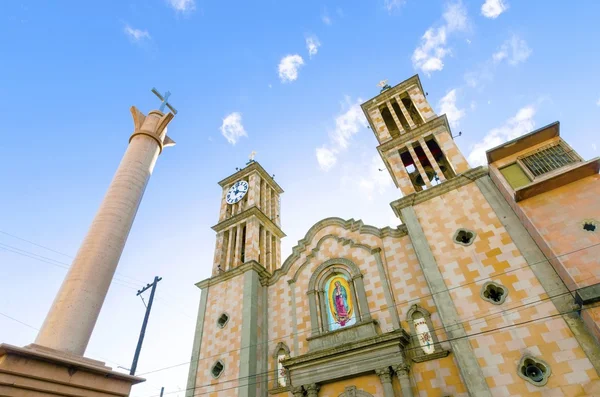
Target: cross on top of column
164,100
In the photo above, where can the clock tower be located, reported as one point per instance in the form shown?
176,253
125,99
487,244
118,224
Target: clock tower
230,348
249,221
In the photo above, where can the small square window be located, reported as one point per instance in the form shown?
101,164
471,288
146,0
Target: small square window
515,176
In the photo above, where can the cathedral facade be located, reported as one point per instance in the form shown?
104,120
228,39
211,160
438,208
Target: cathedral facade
489,287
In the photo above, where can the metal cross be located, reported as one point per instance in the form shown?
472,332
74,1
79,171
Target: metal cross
164,101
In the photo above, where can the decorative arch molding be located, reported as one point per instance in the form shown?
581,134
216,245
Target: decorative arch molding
350,224
328,267
352,391
315,251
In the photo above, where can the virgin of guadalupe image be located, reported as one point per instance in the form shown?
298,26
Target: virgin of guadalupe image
340,300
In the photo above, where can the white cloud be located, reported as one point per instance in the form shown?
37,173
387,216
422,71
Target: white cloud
391,5
325,18
455,17
232,128
515,50
312,45
518,125
429,55
473,106
288,67
136,35
375,181
493,8
347,124
182,5
326,158
448,106
594,147
598,103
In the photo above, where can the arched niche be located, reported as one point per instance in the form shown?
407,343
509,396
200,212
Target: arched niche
425,344
337,289
280,376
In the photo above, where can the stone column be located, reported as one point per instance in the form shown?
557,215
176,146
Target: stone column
312,390
395,117
386,380
402,374
298,391
71,319
418,164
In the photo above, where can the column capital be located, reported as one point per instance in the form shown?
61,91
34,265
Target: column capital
401,369
298,391
384,374
312,389
154,125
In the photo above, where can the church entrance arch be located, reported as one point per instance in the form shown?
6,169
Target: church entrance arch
351,391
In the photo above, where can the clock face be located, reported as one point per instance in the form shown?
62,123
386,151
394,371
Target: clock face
236,192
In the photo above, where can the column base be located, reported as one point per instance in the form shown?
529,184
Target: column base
37,371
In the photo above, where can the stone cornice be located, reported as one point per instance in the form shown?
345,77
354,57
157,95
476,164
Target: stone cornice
415,133
253,166
389,93
247,213
451,184
263,274
396,336
350,224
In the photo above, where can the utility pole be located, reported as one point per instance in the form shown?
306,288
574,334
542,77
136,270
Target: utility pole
162,390
138,349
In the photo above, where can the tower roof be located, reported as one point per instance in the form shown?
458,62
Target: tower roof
252,166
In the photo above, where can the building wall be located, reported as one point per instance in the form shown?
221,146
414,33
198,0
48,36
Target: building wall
558,216
554,220
221,343
494,256
366,383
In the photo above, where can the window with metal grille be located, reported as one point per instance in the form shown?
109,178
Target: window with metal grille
549,158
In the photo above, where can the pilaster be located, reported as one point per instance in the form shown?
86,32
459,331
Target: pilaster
468,364
249,342
402,374
386,381
193,371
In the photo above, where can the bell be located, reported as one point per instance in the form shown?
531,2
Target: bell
534,373
429,171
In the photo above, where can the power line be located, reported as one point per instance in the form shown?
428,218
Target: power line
131,285
390,354
446,329
19,321
58,252
416,299
54,262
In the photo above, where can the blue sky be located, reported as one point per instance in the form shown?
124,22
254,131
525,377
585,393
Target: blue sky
70,70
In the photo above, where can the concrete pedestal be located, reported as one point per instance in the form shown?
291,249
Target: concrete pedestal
37,371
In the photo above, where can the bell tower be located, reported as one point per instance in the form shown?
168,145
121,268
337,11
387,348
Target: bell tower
416,144
249,220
